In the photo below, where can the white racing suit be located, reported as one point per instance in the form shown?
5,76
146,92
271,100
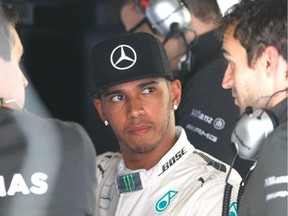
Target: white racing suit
185,182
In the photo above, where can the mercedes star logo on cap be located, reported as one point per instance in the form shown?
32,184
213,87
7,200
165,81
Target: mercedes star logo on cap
123,57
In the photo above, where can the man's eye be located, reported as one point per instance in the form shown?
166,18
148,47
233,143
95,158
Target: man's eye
148,90
117,98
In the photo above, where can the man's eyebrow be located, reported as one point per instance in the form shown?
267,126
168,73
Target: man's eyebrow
107,93
142,85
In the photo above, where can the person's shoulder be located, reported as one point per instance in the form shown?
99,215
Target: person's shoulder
104,163
213,168
66,132
108,157
40,120
61,125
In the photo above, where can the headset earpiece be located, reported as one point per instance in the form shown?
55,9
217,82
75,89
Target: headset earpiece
161,14
250,130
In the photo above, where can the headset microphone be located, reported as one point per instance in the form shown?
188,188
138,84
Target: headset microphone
174,30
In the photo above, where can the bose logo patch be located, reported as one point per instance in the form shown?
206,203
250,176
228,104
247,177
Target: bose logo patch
173,160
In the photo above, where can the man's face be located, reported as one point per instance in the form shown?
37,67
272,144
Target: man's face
141,113
249,85
13,82
175,47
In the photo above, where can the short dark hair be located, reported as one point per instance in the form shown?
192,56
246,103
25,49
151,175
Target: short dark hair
206,10
258,24
8,18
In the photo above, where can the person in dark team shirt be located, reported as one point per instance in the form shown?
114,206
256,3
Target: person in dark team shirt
255,46
47,166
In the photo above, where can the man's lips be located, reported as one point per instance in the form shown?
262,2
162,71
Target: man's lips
139,129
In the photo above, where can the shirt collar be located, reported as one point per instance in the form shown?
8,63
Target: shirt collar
181,149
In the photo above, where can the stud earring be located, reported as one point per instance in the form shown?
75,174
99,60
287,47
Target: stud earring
106,123
175,106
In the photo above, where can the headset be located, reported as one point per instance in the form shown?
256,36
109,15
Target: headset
166,16
172,18
250,130
162,15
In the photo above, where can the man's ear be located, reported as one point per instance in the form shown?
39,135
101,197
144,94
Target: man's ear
176,92
271,59
99,106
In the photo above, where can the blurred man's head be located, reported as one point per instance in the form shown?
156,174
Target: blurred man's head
12,80
203,19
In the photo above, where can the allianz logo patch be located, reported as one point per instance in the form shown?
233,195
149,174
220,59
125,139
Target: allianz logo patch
165,200
217,123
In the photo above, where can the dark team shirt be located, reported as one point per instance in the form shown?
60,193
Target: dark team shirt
207,111
267,188
47,167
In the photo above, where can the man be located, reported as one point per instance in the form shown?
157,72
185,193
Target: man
47,166
158,170
207,111
255,45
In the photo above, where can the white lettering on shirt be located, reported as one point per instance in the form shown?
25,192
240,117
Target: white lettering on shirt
276,194
201,132
199,115
18,185
274,180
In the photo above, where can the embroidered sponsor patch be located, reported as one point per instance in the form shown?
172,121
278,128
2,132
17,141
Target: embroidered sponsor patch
165,200
173,160
129,182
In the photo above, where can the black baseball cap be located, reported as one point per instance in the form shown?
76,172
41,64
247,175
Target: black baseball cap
128,57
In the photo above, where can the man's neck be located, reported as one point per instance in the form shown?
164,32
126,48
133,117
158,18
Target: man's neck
200,27
134,161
